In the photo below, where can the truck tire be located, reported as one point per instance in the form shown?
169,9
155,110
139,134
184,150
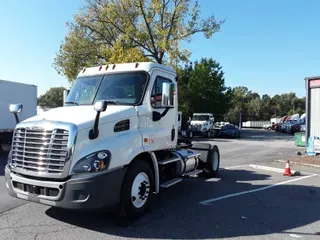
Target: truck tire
213,162
136,191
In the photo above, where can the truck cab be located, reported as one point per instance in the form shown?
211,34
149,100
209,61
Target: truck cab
201,124
114,143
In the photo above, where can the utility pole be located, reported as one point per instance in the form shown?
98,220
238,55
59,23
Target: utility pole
240,119
292,108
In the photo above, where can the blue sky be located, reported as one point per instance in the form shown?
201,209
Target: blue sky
268,46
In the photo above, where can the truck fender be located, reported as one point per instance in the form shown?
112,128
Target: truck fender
205,150
151,158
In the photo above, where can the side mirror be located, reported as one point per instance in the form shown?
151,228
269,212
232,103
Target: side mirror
15,108
65,95
168,91
99,107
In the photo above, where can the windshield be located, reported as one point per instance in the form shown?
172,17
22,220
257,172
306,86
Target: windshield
200,117
123,88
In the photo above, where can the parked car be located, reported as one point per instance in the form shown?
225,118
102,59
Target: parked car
275,127
230,130
267,126
278,126
289,125
299,126
283,126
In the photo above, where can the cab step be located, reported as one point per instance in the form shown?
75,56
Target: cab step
193,173
167,161
171,182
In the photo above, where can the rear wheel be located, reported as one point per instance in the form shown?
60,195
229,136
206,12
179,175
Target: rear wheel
213,162
136,190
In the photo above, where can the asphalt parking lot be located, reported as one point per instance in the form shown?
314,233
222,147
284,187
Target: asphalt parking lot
242,203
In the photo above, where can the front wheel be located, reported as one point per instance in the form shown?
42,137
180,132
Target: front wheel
136,190
213,162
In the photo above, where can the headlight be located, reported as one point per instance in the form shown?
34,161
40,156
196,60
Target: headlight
97,161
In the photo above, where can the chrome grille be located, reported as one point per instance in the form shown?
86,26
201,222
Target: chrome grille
40,150
196,127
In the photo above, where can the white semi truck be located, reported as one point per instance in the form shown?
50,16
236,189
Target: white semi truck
201,125
15,92
113,144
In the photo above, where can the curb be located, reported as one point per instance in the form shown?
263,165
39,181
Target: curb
303,164
272,169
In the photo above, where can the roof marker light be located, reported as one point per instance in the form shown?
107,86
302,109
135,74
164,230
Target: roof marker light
107,67
100,68
84,69
137,65
114,66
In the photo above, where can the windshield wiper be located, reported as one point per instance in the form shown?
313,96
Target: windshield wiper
74,103
112,101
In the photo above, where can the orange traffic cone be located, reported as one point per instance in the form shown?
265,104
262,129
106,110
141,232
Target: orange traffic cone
287,171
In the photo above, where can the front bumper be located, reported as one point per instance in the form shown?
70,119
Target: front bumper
199,133
86,191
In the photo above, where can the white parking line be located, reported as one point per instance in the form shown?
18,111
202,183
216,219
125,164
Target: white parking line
272,169
232,167
207,202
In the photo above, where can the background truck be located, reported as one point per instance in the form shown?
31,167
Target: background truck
201,125
113,144
14,92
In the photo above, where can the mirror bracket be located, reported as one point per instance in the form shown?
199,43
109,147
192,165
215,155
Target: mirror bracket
156,116
99,107
15,109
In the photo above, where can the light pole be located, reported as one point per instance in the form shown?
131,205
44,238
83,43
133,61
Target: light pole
240,119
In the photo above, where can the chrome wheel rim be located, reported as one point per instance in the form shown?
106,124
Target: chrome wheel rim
140,190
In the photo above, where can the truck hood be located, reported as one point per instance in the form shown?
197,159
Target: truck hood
84,116
197,122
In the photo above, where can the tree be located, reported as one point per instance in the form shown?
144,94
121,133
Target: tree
254,108
185,105
144,29
266,108
237,104
206,90
52,98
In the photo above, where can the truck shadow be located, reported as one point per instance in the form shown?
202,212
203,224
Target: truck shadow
178,214
3,162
